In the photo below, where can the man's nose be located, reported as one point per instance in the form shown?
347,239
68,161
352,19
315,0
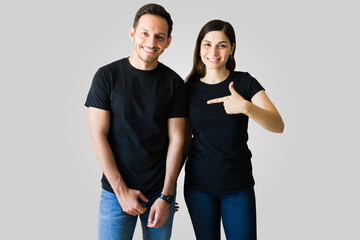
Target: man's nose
151,41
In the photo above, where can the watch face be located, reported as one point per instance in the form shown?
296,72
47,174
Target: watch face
170,199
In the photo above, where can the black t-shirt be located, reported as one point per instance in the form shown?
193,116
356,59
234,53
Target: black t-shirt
219,160
140,104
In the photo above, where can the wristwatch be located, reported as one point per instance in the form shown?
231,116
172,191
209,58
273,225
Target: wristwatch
169,198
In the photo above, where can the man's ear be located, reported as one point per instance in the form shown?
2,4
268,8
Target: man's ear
132,33
168,41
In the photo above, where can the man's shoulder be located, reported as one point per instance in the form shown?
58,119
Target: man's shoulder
170,72
113,65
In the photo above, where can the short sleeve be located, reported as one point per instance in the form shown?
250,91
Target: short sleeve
179,107
253,85
99,93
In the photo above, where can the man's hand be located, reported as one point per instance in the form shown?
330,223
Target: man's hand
129,201
159,212
233,103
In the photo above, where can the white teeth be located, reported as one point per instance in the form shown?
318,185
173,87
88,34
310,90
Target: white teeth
148,50
213,60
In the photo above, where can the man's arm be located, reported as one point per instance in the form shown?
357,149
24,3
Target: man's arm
99,128
160,209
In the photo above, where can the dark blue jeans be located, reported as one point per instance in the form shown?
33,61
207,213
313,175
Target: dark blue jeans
237,211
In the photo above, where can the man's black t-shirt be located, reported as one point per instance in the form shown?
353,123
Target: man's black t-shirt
140,104
219,160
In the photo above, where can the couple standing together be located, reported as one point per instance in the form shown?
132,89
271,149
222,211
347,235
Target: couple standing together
144,119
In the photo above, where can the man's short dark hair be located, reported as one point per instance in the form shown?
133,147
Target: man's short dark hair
154,9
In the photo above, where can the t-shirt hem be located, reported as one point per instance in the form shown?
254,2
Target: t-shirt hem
97,106
147,194
213,190
107,188
179,116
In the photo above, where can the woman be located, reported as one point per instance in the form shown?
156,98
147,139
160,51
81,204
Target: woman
218,181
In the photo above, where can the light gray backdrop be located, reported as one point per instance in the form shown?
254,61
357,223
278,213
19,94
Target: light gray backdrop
305,53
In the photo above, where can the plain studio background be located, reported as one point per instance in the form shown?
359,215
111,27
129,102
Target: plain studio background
305,53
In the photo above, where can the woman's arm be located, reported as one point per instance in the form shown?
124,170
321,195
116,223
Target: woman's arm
260,109
263,111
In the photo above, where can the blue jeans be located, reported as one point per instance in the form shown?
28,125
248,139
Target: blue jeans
114,223
237,211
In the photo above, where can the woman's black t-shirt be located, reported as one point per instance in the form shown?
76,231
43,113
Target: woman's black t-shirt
219,159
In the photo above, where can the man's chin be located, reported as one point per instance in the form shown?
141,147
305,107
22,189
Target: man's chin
150,59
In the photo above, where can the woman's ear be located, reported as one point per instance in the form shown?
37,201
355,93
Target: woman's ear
232,49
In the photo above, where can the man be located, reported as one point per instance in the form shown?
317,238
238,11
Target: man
137,117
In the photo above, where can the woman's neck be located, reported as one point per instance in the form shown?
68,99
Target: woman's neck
214,76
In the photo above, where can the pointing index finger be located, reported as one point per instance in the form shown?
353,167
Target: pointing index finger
216,100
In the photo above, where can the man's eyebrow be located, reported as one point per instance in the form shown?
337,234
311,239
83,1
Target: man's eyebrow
146,30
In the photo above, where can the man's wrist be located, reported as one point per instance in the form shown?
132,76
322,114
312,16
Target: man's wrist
120,188
167,198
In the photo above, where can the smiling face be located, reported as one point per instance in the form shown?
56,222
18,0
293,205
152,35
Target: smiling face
215,49
150,38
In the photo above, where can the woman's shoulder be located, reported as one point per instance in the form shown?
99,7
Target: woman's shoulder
241,74
191,82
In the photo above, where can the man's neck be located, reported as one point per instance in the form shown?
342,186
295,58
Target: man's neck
141,65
